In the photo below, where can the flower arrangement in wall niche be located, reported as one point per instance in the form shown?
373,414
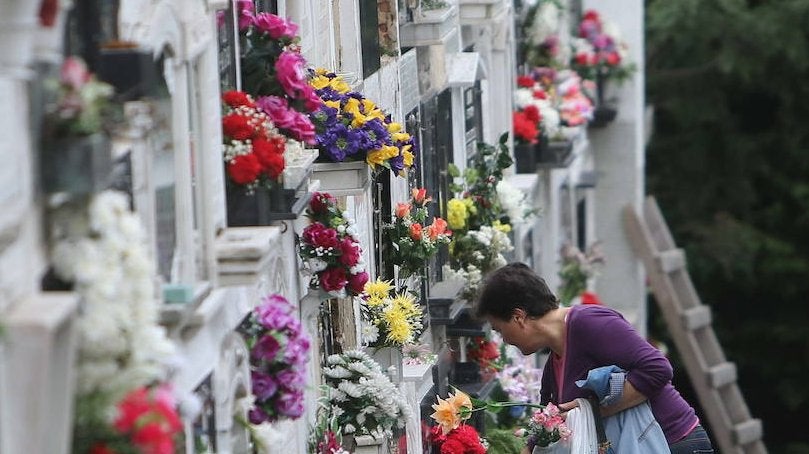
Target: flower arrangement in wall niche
575,104
278,353
361,397
330,249
81,104
351,127
253,149
389,319
599,51
273,70
484,352
536,114
576,269
541,44
145,421
409,241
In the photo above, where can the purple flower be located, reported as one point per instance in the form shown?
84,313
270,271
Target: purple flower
290,404
264,386
290,379
257,416
273,317
296,351
266,348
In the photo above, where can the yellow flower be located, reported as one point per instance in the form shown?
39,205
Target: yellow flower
407,304
394,127
400,136
321,71
378,289
470,206
408,156
457,214
497,225
333,104
319,82
339,85
380,156
374,301
446,416
462,403
399,330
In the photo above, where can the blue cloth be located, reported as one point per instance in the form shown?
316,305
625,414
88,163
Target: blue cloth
632,431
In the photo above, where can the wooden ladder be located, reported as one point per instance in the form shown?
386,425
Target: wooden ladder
689,323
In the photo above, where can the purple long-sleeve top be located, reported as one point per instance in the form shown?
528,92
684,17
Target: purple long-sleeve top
599,336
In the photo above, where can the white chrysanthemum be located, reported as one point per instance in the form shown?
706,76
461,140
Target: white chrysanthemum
370,333
523,97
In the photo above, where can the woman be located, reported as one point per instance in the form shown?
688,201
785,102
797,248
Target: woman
518,304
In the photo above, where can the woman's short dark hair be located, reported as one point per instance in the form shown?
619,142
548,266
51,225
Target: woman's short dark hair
515,286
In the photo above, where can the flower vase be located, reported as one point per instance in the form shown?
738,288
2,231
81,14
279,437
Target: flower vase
76,165
554,154
605,110
557,447
263,206
366,444
390,361
524,158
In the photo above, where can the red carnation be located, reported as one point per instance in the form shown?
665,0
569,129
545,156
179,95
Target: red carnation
532,113
235,99
540,94
270,155
237,127
524,128
525,81
333,279
244,169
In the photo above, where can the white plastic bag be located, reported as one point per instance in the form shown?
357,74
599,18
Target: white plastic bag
584,438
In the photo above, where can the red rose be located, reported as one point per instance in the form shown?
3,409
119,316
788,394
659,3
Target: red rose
525,81
321,201
532,113
591,15
237,127
415,231
235,98
581,59
333,279
350,252
357,282
244,169
540,94
318,235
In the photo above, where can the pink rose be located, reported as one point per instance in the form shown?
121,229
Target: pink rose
246,13
74,73
304,129
356,282
350,252
290,73
311,100
275,26
333,279
278,110
318,235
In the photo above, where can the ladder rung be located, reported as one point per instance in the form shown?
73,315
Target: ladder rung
696,317
747,432
671,260
721,375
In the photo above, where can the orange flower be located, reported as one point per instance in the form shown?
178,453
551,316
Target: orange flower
450,412
402,210
438,227
415,231
420,196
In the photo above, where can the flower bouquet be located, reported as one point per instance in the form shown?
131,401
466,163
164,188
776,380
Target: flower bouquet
389,320
330,249
485,353
145,421
545,429
464,439
352,128
577,267
599,51
410,242
273,71
362,397
536,112
278,354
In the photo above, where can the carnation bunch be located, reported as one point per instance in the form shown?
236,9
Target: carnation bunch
576,269
273,70
545,427
278,354
330,249
411,243
599,50
536,114
361,397
145,421
389,319
253,148
464,439
81,101
352,128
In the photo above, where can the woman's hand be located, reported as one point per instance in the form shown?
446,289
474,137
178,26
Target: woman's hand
566,407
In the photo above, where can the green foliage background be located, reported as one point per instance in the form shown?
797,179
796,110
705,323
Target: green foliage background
729,165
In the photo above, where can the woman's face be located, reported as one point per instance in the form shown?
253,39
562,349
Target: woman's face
516,331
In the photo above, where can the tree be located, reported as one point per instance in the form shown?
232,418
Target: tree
728,164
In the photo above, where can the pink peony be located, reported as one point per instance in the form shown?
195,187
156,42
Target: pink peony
357,282
246,13
278,110
321,201
333,279
350,252
304,129
275,26
290,73
318,235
